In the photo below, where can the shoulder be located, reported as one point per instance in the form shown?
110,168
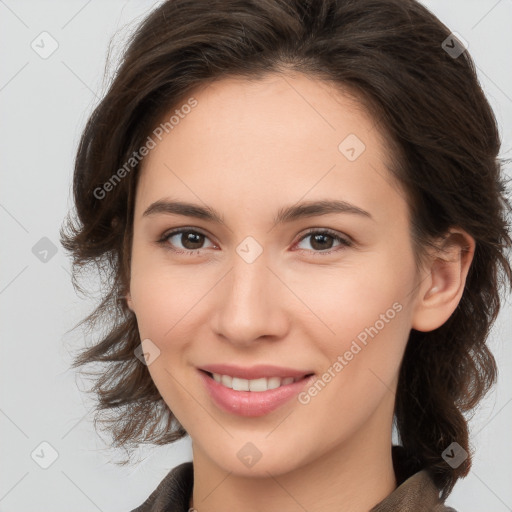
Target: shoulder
418,493
173,492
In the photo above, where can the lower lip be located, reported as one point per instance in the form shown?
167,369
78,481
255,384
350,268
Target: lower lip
252,403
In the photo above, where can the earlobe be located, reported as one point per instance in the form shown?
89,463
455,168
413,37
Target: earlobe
442,287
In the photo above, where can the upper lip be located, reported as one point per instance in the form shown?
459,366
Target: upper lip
254,372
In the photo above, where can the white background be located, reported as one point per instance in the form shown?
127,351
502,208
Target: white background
44,105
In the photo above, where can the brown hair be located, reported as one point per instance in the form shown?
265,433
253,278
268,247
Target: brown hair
445,146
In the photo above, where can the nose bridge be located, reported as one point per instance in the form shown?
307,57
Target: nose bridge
249,307
250,273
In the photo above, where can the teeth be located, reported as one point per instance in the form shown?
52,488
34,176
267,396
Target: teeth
259,384
273,382
262,384
227,381
240,384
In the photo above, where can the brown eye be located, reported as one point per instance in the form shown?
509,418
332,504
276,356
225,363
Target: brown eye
322,241
184,240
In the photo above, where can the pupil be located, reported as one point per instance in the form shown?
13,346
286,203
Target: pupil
189,239
316,239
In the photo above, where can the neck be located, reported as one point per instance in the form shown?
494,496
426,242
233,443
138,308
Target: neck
350,478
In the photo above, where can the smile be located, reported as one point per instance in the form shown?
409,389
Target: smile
254,391
258,385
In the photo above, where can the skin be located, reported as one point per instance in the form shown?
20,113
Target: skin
248,149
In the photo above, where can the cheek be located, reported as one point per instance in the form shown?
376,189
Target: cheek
367,310
356,302
362,358
163,293
164,300
153,306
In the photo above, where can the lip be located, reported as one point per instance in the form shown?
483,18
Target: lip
253,403
254,372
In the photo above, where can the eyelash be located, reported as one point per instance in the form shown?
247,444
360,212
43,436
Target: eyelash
344,242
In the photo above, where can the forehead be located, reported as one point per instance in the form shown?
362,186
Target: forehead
271,140
295,107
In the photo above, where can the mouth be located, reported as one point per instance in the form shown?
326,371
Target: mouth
259,385
253,396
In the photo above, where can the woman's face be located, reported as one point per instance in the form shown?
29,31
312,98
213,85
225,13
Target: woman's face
251,278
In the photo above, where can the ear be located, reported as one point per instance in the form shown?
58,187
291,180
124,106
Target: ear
443,281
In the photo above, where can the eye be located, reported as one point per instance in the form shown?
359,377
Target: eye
190,239
320,241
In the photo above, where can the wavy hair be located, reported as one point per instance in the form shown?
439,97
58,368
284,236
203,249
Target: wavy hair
444,144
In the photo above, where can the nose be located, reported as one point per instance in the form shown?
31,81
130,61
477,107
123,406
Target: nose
251,303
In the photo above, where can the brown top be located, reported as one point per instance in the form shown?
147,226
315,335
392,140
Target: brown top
415,493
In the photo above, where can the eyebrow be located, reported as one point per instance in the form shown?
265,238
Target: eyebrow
286,214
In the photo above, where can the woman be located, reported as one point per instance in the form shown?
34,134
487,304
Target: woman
302,215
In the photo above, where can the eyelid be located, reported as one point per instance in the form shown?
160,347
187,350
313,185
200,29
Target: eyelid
174,231
327,231
344,239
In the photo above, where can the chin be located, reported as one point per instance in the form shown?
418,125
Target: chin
252,459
